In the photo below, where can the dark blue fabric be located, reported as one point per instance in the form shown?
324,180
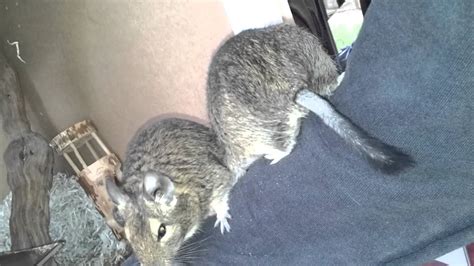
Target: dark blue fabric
410,82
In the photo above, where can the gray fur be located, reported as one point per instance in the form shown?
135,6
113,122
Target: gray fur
187,154
252,84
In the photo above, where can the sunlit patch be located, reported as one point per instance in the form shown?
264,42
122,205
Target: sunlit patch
154,226
191,232
127,232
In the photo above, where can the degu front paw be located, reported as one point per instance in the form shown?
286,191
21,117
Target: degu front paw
221,219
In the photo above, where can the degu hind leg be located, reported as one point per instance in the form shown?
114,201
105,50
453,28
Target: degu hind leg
284,137
275,155
238,160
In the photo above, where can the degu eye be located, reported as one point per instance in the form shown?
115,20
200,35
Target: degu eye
161,232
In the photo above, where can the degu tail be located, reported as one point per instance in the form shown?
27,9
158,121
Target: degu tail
386,158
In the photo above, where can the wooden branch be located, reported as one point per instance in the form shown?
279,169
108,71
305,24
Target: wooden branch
29,162
12,105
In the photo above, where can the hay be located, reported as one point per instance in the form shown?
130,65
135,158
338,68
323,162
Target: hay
5,209
89,241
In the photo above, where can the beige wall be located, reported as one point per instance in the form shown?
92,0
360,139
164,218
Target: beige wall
118,62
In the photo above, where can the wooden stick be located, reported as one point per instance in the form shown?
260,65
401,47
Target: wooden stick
101,144
89,146
71,163
78,155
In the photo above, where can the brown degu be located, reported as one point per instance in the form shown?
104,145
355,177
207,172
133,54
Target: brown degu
173,179
262,82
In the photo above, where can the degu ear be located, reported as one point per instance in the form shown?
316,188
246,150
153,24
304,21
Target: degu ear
118,196
158,188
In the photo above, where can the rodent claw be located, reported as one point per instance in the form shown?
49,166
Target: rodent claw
224,224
